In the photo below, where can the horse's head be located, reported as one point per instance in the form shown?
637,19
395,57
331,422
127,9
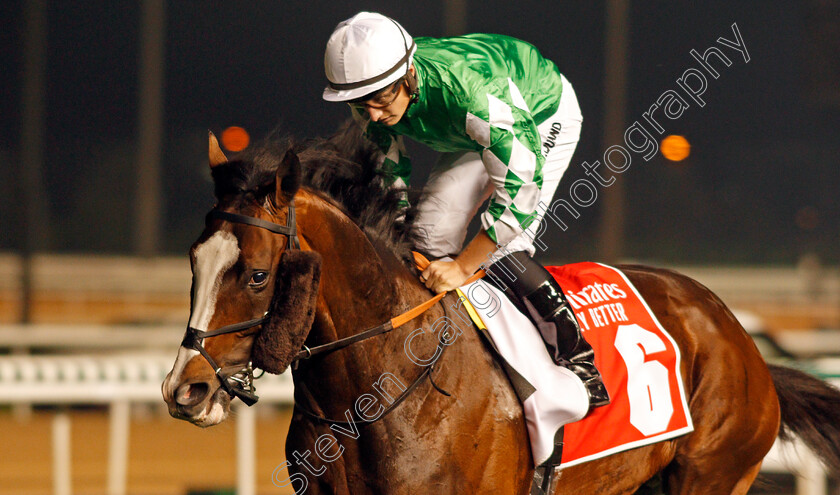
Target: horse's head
253,291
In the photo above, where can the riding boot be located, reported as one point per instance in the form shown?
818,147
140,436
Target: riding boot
569,348
548,308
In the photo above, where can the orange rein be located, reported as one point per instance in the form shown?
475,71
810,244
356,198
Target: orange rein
422,263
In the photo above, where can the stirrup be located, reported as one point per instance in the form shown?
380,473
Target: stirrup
544,473
543,478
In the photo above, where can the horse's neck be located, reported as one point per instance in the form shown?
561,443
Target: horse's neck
356,286
361,287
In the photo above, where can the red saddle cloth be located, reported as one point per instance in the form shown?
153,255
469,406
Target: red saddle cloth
638,359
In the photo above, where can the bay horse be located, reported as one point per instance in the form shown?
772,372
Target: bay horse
458,427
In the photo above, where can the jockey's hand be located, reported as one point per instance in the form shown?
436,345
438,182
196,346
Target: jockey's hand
441,276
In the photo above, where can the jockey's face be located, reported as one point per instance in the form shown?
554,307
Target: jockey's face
389,105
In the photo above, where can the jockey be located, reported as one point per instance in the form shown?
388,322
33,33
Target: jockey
507,122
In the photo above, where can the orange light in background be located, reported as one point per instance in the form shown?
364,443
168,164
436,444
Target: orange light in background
675,148
235,139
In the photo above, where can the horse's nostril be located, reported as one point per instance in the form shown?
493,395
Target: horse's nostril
190,394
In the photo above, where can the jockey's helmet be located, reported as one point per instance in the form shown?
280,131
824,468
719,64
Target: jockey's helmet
366,53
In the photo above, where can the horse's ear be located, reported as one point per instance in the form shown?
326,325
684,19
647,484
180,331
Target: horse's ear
288,177
216,155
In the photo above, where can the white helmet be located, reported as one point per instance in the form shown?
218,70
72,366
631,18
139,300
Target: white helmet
366,53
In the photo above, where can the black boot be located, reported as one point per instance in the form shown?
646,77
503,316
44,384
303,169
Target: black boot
548,308
568,348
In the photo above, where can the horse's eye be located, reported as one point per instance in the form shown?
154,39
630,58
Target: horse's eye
258,279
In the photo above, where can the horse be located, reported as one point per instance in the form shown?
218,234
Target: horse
306,246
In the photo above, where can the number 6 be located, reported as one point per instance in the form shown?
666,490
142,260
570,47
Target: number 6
648,388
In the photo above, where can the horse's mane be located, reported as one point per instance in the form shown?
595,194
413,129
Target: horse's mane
343,168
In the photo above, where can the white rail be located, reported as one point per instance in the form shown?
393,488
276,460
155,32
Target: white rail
76,338
116,380
171,275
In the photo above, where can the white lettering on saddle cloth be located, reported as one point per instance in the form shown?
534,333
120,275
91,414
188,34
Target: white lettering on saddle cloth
602,312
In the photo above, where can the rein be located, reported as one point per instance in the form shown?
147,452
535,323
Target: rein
421,262
386,327
404,395
243,380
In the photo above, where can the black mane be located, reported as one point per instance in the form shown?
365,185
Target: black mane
343,167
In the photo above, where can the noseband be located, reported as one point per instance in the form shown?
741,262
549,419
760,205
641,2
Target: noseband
242,385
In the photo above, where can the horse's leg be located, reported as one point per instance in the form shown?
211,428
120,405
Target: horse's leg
617,474
736,418
486,447
307,473
732,398
746,481
691,481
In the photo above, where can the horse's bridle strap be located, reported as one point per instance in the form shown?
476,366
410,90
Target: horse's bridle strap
192,340
236,327
399,400
307,352
416,311
289,229
244,388
393,323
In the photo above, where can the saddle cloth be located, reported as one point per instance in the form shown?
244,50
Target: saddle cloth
638,359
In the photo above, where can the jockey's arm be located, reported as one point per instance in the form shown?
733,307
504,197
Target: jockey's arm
513,160
441,275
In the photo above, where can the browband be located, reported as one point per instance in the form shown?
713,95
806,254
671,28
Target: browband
288,230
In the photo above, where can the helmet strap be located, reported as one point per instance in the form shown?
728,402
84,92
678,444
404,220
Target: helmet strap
413,91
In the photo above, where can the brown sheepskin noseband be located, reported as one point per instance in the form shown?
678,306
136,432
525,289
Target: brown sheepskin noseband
291,312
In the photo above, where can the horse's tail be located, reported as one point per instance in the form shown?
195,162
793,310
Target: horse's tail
811,411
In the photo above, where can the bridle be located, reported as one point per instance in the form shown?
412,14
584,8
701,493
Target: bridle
243,380
242,385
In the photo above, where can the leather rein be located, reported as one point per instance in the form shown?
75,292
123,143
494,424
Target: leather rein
242,385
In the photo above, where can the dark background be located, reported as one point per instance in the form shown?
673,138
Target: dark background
760,185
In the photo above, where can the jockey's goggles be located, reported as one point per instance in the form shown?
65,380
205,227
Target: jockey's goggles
380,99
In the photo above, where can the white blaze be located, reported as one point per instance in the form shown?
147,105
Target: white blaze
213,258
